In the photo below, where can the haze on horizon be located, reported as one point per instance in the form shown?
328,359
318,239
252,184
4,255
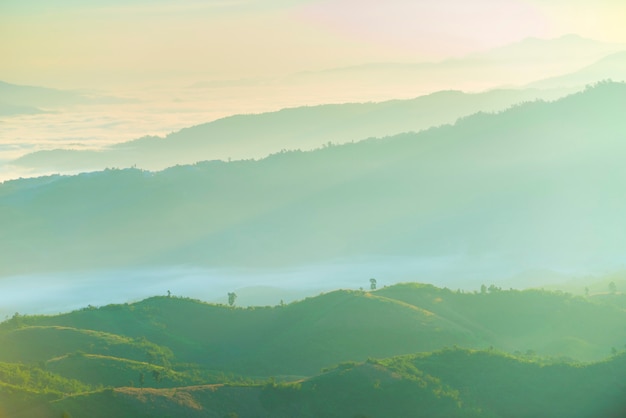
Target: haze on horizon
158,51
113,45
190,62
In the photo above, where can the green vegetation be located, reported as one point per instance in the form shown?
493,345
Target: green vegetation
403,350
548,323
504,385
170,356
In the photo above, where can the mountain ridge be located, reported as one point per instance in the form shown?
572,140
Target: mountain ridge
198,360
307,127
374,197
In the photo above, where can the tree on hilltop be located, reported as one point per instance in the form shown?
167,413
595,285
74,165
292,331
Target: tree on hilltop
231,298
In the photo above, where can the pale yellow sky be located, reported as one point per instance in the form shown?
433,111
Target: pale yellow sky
69,43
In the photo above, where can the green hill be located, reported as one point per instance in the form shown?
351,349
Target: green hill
168,356
27,391
302,337
42,343
356,390
99,370
449,383
548,323
297,339
506,386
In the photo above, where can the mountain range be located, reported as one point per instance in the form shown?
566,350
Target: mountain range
513,64
26,99
275,223
257,135
305,128
538,184
611,67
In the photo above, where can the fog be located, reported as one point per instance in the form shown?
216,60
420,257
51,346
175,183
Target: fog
63,292
154,111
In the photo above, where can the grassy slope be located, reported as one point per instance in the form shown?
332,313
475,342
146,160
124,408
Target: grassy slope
508,386
450,383
115,372
26,391
364,390
42,343
296,339
549,323
300,338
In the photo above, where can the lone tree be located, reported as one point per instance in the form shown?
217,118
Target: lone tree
231,298
373,284
612,287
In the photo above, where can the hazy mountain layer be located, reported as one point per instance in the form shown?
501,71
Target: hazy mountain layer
12,110
538,184
305,128
611,67
28,97
514,64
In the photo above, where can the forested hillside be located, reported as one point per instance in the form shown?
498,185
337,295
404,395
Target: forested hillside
396,350
539,184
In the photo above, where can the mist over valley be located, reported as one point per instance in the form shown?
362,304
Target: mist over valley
312,209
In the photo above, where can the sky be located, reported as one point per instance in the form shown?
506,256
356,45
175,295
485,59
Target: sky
77,44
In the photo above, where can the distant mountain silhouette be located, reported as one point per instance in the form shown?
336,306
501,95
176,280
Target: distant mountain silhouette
12,110
538,184
256,136
610,67
517,63
18,96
